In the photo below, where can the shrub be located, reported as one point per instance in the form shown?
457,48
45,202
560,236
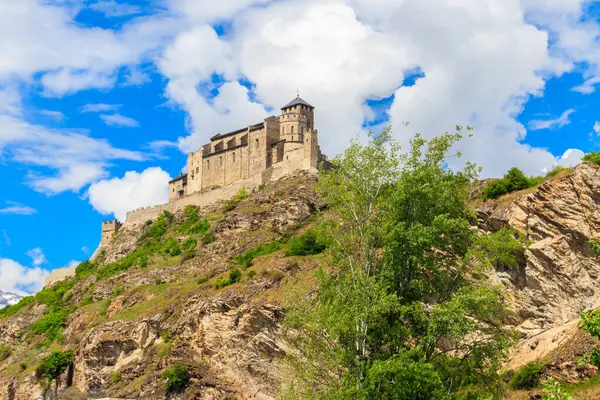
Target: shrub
208,238
306,244
235,275
189,244
593,157
176,378
117,292
553,391
246,259
512,181
595,245
115,377
502,247
528,377
5,352
555,171
171,247
85,269
193,224
51,323
54,365
251,273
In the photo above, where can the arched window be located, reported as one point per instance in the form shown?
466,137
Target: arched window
292,129
256,141
220,161
233,158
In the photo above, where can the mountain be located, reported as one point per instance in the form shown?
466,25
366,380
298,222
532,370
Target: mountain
8,299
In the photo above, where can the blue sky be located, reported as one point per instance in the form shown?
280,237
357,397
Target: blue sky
101,100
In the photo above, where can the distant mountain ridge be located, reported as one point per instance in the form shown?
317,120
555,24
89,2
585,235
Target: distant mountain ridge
8,299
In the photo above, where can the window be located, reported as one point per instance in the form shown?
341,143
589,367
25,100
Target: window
292,129
208,162
292,138
256,141
197,170
220,161
233,158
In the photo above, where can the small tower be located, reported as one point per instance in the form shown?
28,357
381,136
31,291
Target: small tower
109,229
297,118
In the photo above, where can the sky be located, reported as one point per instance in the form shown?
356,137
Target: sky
101,100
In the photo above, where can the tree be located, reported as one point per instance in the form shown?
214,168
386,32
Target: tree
53,366
399,313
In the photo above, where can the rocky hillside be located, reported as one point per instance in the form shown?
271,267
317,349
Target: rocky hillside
204,288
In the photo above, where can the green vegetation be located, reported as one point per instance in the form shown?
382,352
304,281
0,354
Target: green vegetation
235,275
553,391
208,238
595,245
51,324
171,247
176,378
251,273
167,344
528,377
230,204
305,245
502,248
193,224
515,180
15,308
593,157
246,259
402,273
5,352
590,323
52,367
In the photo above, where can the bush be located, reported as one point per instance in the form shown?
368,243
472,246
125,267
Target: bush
246,259
54,365
176,378
235,275
251,273
193,224
514,180
51,323
593,157
15,308
85,269
553,391
528,377
208,238
305,245
5,352
171,247
189,244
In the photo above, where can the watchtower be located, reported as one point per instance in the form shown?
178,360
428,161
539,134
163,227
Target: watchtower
109,229
297,117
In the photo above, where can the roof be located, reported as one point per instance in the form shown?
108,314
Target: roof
181,176
242,130
295,102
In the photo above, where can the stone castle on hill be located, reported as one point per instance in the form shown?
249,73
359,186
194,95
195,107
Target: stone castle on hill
245,158
255,154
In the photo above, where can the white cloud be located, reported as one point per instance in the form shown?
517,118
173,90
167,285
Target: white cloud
119,120
570,158
597,127
556,123
134,190
17,278
13,207
98,108
6,237
112,9
56,115
37,256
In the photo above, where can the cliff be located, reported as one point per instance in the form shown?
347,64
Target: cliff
141,309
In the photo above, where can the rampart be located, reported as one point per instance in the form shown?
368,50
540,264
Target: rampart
58,275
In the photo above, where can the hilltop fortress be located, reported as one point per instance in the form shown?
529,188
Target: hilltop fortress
244,158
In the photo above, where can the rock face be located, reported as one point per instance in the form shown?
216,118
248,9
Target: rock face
559,273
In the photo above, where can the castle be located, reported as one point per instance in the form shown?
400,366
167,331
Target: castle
245,158
257,153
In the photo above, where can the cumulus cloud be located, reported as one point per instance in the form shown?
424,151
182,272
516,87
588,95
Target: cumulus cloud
557,123
37,256
12,207
20,279
134,190
597,127
119,120
98,108
570,158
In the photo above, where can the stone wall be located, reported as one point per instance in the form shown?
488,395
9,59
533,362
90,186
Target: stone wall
59,275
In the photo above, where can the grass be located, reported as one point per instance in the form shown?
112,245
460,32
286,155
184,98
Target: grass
246,259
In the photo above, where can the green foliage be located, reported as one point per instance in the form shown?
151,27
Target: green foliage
15,308
171,247
405,270
230,204
85,269
208,238
595,245
115,377
593,157
51,324
528,377
590,323
189,244
116,292
502,248
5,352
54,365
251,273
514,180
555,171
246,259
176,378
553,391
167,344
305,245
193,224
158,228
235,275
